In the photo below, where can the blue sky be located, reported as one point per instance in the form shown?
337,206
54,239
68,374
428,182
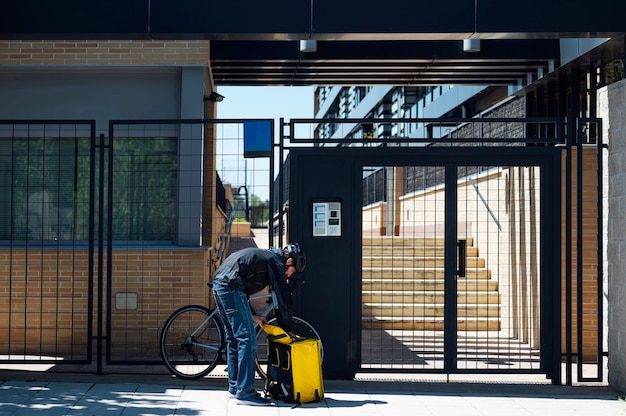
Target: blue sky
256,102
266,102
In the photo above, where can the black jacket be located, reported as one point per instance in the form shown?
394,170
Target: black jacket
251,270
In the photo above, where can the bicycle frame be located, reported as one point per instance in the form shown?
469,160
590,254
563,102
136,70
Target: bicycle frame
271,305
181,339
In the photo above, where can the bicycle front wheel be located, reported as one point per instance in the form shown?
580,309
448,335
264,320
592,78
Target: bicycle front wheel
192,342
299,327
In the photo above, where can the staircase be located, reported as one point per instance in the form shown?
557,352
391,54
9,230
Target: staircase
403,286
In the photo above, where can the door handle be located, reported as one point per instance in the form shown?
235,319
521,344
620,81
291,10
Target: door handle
461,250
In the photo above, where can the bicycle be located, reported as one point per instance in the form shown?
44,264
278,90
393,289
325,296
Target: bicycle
193,338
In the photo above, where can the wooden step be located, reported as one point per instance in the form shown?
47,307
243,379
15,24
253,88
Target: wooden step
429,285
420,297
410,273
418,311
418,262
419,252
430,324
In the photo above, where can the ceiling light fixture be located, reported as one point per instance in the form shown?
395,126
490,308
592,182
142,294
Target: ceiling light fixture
471,45
308,45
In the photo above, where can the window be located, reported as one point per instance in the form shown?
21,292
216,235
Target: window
44,189
45,195
145,189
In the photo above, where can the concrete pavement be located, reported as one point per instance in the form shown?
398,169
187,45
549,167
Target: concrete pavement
51,394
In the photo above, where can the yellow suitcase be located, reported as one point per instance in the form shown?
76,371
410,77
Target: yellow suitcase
294,371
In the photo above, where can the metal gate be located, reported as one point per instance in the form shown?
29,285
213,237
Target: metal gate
461,242
102,238
463,280
47,188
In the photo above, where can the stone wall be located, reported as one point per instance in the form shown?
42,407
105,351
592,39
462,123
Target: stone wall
617,235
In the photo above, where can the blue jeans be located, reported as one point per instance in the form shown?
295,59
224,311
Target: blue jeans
241,341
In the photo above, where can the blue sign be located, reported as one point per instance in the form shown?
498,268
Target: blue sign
257,138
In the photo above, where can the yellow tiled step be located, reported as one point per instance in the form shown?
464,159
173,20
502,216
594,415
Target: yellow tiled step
396,241
421,311
428,284
383,251
425,262
430,324
411,273
403,286
421,297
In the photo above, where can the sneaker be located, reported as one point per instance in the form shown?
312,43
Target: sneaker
232,395
255,400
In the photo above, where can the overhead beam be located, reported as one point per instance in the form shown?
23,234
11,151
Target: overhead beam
427,51
316,19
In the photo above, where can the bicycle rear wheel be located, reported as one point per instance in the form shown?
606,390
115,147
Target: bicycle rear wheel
299,327
192,341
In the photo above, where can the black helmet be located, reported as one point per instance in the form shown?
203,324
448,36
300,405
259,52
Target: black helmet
294,251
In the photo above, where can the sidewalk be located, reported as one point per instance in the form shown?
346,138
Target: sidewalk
34,393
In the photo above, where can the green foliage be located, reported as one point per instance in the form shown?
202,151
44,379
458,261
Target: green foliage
259,212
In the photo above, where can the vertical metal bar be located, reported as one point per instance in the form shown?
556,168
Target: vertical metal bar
100,254
281,173
91,243
595,130
270,222
450,259
109,247
600,237
534,276
523,261
571,130
550,264
579,248
513,250
599,258
568,255
9,319
551,109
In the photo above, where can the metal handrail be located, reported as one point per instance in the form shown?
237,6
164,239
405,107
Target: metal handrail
493,216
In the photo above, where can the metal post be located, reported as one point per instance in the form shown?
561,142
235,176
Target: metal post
100,255
92,201
281,186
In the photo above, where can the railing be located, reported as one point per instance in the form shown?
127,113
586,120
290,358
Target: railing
489,210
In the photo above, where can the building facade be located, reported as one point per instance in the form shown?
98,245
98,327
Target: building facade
396,200
110,219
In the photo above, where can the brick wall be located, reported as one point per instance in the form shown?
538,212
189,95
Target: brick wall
44,295
63,52
587,258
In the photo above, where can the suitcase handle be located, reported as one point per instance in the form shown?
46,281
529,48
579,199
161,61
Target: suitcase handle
276,360
287,361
